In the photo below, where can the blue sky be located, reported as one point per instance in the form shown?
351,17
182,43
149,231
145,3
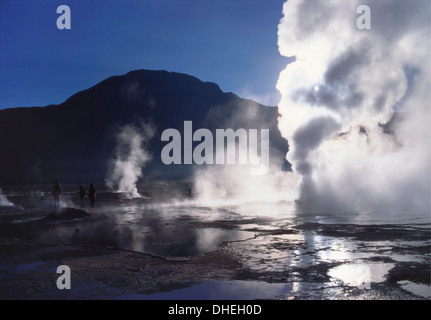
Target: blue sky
230,42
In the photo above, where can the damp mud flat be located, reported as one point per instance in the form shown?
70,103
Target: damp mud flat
157,248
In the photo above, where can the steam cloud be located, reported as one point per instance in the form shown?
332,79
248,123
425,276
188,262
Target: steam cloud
4,202
355,104
131,155
233,184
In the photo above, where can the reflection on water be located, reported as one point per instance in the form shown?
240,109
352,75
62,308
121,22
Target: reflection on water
299,252
220,290
209,238
147,236
361,274
419,289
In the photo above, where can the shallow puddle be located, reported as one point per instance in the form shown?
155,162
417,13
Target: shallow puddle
164,239
422,290
361,275
220,290
294,253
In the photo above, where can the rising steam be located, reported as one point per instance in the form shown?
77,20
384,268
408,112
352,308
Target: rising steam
234,184
4,202
355,104
131,155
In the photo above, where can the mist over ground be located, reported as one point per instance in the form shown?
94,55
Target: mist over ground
4,202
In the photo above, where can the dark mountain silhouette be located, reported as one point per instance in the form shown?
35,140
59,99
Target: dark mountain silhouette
74,140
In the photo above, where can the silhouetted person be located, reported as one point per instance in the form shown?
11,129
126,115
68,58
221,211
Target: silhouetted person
56,193
82,194
92,195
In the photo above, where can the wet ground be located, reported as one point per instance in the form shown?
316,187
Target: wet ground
155,247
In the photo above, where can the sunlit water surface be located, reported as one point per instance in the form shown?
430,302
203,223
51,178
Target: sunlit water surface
270,237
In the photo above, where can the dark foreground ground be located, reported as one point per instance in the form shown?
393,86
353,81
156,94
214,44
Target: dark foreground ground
127,250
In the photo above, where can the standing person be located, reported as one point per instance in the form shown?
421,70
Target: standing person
92,195
57,192
82,194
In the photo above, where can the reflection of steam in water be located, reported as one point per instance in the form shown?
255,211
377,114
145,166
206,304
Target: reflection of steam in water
144,230
361,274
225,290
91,233
208,239
299,250
418,289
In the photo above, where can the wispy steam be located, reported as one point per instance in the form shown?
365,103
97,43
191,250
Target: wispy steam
342,89
236,184
131,155
4,202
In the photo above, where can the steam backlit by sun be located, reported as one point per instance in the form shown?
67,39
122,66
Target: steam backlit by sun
355,103
131,156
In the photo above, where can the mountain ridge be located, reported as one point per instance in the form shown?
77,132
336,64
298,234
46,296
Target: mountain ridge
73,140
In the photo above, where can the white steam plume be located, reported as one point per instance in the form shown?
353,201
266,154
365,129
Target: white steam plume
4,202
344,84
131,155
229,184
234,185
